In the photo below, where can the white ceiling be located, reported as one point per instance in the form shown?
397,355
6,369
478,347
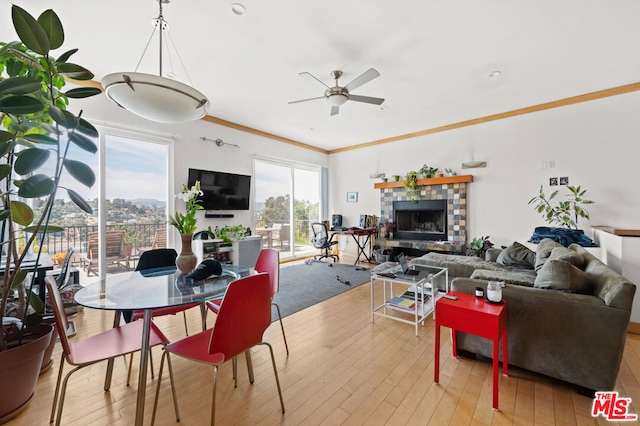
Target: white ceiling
434,57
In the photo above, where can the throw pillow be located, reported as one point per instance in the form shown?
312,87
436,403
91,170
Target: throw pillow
561,275
544,251
568,255
517,255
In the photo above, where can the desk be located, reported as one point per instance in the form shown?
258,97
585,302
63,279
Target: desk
154,288
362,237
29,264
473,315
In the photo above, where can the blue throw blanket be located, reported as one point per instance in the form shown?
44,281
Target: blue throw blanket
564,236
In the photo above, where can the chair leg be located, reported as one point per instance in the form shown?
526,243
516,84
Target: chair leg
184,316
275,372
213,403
234,364
247,355
165,354
55,395
131,362
63,392
282,327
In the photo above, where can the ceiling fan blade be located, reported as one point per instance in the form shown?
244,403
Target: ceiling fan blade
310,77
305,100
365,77
334,110
366,99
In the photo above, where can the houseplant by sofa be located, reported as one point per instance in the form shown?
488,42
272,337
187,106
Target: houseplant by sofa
35,134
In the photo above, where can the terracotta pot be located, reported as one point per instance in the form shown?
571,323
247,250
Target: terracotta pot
46,359
186,260
19,369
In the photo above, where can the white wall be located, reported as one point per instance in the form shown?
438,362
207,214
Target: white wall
190,151
596,144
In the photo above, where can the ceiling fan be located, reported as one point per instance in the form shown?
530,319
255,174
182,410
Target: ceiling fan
338,95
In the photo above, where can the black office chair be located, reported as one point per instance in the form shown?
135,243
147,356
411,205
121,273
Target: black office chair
321,240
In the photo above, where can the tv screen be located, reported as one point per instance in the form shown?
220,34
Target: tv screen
222,191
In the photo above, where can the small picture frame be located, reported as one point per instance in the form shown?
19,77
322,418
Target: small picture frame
564,180
352,197
553,181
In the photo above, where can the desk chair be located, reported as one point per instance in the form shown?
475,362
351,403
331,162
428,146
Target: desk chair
321,240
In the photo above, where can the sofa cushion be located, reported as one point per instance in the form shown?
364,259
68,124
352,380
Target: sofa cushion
521,277
562,275
568,255
517,255
544,251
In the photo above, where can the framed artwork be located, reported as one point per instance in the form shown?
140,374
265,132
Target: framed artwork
352,197
564,180
553,181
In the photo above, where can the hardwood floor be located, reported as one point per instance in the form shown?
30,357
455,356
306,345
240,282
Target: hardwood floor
343,369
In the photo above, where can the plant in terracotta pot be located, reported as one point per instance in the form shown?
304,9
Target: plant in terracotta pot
36,132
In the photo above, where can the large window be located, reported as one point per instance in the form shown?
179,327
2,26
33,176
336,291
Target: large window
287,201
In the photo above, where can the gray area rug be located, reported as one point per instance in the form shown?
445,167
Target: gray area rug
305,285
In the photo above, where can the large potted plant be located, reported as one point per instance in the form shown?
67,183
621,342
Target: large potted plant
36,132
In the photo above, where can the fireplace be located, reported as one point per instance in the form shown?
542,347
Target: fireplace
420,220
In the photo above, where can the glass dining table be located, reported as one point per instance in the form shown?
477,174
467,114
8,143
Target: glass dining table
147,290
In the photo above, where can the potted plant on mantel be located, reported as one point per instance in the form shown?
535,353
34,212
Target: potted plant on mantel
36,132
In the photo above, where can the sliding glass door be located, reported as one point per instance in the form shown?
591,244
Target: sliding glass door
287,200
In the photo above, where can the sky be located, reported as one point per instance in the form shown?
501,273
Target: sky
273,180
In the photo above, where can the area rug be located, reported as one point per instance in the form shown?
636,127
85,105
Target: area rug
309,283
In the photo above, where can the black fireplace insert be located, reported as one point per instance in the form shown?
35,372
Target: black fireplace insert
420,220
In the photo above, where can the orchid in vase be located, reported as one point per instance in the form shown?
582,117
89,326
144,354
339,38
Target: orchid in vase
186,223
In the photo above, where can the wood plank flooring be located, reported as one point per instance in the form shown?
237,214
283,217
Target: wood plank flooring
343,369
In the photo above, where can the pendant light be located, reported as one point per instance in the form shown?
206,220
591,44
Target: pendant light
156,97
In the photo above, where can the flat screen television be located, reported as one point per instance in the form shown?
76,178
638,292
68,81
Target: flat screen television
222,191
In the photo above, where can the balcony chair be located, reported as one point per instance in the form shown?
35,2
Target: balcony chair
114,244
117,341
68,289
268,261
242,320
321,240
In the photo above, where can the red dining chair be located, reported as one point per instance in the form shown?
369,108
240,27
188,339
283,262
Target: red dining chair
117,341
268,261
244,315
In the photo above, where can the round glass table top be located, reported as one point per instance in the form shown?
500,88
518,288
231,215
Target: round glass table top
152,288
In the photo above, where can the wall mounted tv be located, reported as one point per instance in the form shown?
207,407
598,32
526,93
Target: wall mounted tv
222,191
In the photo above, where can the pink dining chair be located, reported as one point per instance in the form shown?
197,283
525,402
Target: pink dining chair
117,341
268,261
243,317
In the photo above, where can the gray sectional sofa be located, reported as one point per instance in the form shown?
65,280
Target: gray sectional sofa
567,311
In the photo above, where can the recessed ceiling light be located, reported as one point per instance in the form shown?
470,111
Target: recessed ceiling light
238,9
495,73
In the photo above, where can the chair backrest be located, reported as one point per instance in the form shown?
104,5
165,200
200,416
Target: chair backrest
59,314
65,272
320,235
114,242
158,258
269,261
284,232
160,238
245,314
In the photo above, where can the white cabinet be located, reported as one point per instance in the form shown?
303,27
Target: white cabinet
243,252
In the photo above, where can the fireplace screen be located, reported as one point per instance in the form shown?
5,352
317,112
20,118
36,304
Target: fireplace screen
424,220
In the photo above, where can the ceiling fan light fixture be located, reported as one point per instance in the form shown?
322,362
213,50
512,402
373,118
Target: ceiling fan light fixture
155,97
337,99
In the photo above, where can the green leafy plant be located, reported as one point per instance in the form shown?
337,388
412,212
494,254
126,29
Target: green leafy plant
479,246
565,213
36,132
230,233
205,234
428,172
411,186
186,223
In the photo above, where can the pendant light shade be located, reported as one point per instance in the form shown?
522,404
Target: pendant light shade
156,97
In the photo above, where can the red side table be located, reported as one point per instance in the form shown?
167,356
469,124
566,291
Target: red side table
473,315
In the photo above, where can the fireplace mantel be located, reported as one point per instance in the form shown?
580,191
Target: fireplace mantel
426,182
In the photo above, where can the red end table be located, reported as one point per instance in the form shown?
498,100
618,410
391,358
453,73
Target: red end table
473,315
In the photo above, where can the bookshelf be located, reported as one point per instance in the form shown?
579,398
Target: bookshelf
406,300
